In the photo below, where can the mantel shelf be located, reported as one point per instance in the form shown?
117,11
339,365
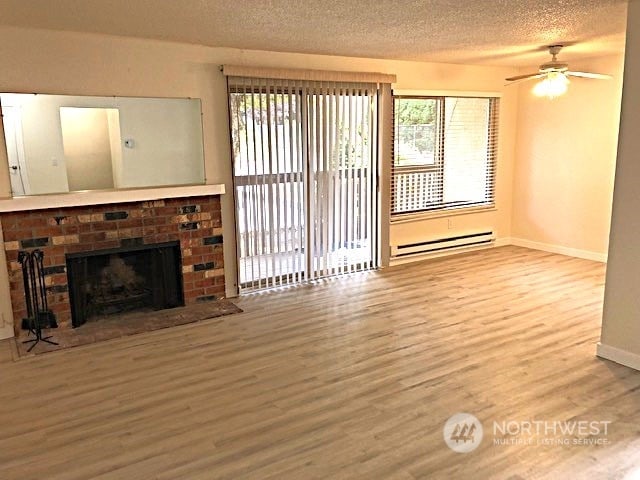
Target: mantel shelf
77,199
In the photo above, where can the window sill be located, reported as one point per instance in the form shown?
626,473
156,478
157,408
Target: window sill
420,216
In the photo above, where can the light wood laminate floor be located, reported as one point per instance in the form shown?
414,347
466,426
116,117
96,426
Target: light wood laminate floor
351,378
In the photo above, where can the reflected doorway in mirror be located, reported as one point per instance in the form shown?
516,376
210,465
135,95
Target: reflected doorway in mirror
15,150
91,145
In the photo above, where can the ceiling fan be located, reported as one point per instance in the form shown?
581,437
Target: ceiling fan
555,76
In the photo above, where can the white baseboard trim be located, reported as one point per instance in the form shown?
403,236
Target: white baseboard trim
6,322
571,252
623,357
501,242
6,332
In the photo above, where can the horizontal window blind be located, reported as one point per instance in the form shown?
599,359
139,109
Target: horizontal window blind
444,154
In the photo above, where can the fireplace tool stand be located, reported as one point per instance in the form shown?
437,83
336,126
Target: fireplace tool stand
36,296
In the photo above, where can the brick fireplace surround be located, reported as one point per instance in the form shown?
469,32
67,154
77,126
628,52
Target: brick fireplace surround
193,221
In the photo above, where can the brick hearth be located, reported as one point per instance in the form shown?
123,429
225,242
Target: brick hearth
195,222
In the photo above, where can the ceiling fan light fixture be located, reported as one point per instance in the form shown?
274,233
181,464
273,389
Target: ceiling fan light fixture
552,85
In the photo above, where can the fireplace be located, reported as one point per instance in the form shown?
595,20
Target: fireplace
115,281
69,236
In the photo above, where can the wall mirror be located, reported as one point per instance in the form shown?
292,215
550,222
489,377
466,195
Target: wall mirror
63,143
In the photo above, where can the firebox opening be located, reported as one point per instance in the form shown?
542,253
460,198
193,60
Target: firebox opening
111,282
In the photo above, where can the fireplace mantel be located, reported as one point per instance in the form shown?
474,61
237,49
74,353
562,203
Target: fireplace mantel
105,197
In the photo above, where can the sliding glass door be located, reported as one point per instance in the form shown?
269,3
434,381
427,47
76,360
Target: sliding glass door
305,173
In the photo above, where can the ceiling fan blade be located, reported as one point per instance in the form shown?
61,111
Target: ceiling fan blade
524,77
600,76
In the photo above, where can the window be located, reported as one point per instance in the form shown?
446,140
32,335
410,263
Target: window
444,153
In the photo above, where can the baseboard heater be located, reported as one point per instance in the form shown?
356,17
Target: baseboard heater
442,244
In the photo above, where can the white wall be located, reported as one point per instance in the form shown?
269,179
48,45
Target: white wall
565,161
620,339
69,63
6,314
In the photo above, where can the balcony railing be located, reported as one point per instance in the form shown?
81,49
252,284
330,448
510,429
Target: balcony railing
413,191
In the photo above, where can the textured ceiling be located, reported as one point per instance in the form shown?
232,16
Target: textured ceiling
499,32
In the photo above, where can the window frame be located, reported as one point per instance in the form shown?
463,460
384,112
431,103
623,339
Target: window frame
492,140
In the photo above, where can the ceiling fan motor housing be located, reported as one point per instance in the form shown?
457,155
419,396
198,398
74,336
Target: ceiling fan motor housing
554,67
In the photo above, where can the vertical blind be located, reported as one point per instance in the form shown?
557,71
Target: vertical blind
444,154
305,178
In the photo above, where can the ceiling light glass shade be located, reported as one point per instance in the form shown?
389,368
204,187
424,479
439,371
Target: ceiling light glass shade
553,85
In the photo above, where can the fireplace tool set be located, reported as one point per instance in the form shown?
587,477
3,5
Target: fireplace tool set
38,313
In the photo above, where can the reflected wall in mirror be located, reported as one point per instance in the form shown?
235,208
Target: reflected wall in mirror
60,143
